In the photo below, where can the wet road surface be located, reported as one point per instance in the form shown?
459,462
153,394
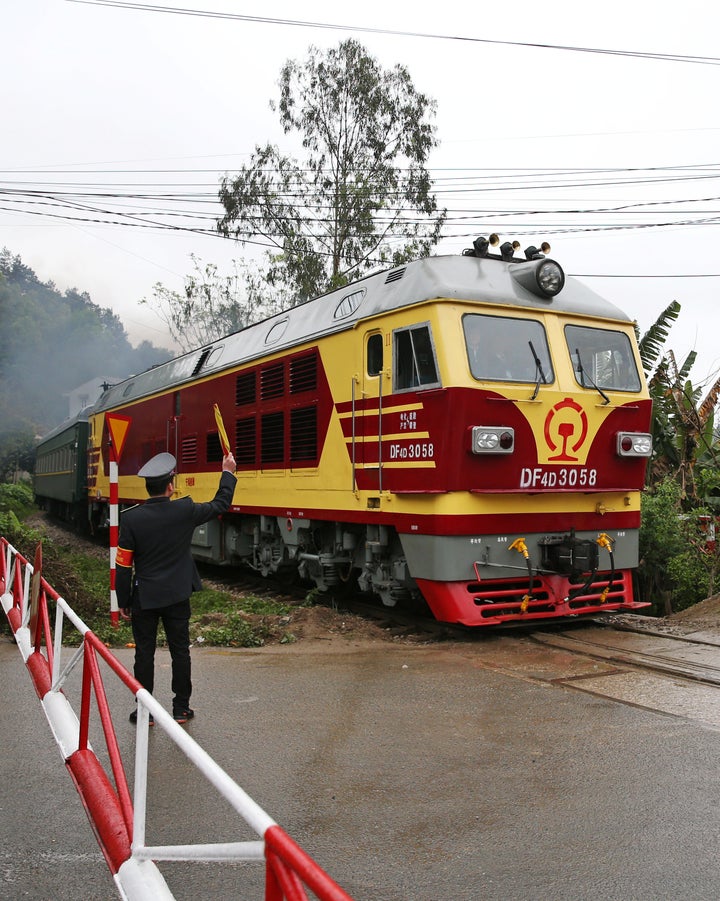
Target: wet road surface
464,771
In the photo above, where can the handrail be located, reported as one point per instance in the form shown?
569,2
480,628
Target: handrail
380,454
119,821
352,409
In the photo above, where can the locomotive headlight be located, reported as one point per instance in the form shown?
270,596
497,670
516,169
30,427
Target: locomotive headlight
634,444
544,278
550,278
492,440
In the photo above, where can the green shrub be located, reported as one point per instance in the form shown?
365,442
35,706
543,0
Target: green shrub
21,537
17,498
688,578
83,581
233,631
677,567
211,600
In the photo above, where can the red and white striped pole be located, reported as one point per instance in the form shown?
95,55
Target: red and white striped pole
114,530
117,429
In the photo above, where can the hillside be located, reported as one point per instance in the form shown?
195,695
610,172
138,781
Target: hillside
60,340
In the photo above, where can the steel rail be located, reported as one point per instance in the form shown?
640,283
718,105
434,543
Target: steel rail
664,663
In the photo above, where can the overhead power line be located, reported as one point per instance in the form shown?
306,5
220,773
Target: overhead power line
465,196
297,23
477,201
647,275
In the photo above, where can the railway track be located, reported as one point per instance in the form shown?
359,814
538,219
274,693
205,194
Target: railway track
686,657
623,658
674,675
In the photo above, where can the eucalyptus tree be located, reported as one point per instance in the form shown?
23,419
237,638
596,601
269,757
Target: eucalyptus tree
361,196
211,304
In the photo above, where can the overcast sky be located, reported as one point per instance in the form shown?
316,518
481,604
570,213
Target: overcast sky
611,157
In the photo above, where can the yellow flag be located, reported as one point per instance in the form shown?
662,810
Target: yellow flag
222,434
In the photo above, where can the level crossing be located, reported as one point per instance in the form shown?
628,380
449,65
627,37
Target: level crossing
117,817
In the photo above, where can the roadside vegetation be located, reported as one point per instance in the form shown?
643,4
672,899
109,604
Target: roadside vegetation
218,618
679,554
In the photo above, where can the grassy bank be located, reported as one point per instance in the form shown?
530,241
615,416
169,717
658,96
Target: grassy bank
82,578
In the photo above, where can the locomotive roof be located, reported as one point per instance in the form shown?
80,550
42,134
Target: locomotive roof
463,277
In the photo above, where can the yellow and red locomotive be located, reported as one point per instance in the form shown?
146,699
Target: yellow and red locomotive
470,430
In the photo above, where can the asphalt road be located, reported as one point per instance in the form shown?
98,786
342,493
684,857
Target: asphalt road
419,773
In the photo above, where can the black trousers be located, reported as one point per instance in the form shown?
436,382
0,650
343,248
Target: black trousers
176,622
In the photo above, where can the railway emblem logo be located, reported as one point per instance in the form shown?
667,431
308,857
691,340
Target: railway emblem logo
566,429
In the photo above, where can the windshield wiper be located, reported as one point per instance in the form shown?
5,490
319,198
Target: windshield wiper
538,371
581,370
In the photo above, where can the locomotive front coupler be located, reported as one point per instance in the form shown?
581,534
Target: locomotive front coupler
568,555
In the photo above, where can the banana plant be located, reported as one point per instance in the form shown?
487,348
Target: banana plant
682,423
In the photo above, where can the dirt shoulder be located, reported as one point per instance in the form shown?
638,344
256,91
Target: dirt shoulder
328,624
305,623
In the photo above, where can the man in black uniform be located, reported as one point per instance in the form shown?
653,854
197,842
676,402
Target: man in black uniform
156,574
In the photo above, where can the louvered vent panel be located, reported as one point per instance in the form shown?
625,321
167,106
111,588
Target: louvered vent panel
201,360
303,434
214,448
395,275
272,381
245,388
245,442
303,374
272,438
189,450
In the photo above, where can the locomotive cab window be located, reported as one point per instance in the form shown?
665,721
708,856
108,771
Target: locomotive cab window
414,358
374,354
506,349
602,358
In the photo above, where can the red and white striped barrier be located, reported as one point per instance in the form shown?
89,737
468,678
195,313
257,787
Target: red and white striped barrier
117,820
114,536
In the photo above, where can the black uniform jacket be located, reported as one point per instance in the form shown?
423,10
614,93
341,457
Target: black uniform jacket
155,540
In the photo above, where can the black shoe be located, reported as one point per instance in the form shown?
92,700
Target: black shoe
182,714
133,718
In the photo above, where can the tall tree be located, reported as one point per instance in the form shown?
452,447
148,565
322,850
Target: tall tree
211,305
362,195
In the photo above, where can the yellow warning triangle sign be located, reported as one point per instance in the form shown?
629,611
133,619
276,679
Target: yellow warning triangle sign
118,428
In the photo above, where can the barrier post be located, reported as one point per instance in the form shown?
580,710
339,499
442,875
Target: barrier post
118,822
114,529
117,432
